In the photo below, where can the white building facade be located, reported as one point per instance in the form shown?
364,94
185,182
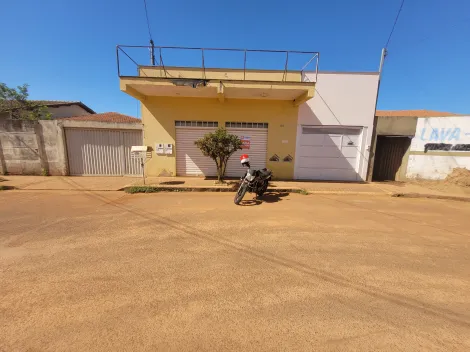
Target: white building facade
335,127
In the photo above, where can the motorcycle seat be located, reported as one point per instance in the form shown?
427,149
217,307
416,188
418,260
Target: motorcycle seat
265,172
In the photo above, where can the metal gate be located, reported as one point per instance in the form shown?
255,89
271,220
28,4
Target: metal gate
102,152
389,155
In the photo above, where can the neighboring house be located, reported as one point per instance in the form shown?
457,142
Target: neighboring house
94,144
114,117
56,108
398,132
285,124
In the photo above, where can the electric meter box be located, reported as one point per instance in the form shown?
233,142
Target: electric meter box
160,148
168,148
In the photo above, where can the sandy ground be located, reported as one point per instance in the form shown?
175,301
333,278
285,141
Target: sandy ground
84,271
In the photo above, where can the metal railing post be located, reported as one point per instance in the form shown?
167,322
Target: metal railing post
316,67
244,66
117,59
152,53
284,76
203,65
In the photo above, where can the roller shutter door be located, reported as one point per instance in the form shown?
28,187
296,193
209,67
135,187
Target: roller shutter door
257,151
189,159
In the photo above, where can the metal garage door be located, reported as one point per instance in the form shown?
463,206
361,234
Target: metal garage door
102,152
257,151
189,159
389,156
329,153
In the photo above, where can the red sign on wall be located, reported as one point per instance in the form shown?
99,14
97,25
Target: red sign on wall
246,140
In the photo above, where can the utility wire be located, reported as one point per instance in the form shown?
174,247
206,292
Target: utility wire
147,17
339,122
394,24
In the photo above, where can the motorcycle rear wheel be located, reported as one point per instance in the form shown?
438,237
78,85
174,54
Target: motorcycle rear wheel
240,193
263,189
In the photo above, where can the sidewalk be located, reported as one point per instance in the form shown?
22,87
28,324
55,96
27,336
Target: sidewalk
104,183
68,183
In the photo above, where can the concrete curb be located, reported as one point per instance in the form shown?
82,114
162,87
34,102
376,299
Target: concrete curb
431,196
233,189
206,189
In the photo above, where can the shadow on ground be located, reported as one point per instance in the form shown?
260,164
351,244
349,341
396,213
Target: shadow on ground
172,183
268,197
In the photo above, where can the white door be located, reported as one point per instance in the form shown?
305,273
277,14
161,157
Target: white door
329,153
256,141
189,159
102,152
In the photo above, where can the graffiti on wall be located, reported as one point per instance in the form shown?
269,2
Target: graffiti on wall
442,134
447,147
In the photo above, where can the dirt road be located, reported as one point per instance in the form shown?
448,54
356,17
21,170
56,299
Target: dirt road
184,272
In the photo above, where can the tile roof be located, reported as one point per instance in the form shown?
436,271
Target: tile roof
414,113
104,117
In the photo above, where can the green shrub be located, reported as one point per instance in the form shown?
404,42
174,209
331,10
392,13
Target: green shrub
142,189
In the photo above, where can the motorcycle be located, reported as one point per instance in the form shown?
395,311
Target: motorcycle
254,181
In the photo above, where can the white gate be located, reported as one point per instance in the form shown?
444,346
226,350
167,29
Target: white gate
329,153
102,152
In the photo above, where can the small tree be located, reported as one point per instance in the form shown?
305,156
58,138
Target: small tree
15,102
219,146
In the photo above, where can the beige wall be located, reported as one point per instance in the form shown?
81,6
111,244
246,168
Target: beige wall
222,74
396,126
67,111
160,113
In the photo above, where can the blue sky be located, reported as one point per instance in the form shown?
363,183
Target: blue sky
65,49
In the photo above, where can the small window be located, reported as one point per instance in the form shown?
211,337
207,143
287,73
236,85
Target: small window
246,125
331,130
196,123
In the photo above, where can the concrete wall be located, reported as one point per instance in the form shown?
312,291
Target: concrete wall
396,125
439,145
347,97
31,147
222,74
160,113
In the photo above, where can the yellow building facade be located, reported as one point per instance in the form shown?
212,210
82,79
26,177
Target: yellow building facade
172,96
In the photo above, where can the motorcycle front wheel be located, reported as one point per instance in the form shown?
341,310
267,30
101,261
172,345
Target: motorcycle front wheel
240,193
